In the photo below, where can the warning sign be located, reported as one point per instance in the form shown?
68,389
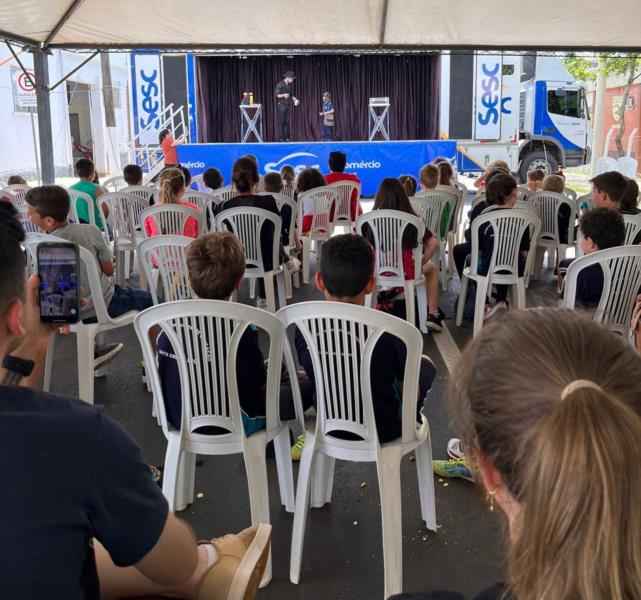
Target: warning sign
24,94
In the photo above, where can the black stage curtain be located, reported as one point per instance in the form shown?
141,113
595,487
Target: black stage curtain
410,81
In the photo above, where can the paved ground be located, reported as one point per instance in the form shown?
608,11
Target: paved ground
343,549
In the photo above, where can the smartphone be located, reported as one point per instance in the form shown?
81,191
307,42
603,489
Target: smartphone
59,292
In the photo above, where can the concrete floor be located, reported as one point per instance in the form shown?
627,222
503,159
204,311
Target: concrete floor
343,548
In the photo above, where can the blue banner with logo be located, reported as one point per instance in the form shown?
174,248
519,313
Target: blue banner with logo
371,161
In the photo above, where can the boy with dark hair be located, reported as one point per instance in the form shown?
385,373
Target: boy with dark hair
216,264
75,481
16,180
346,274
608,190
337,162
86,173
601,228
212,178
273,182
132,174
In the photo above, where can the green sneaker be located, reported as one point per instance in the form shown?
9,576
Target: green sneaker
297,448
452,468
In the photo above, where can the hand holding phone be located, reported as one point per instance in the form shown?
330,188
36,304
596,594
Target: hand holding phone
58,292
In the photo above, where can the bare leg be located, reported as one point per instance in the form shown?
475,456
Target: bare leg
431,282
128,582
430,248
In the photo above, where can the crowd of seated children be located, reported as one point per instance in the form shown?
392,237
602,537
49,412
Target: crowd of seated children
308,179
86,174
391,196
213,178
535,179
337,162
548,404
132,175
76,482
172,188
409,184
346,274
216,264
601,228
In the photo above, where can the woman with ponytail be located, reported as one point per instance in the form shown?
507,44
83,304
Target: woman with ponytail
171,190
549,405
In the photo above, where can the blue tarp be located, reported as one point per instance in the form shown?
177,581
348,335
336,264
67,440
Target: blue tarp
371,161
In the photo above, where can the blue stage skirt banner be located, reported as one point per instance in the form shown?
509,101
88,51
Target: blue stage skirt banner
370,161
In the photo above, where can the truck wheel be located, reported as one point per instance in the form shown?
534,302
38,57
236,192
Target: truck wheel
538,160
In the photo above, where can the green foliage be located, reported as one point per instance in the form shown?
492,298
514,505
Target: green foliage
580,68
585,69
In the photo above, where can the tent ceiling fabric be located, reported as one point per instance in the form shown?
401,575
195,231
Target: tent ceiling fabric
238,24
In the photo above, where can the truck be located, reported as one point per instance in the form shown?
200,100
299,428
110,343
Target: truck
524,109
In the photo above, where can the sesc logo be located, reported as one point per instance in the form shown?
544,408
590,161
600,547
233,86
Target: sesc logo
295,157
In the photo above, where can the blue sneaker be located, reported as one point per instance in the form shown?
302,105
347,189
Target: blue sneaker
452,468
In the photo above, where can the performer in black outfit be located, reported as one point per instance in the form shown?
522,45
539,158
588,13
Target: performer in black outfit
284,100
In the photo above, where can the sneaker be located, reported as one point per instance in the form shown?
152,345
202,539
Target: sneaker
261,303
434,323
297,448
452,468
496,308
240,566
103,355
455,449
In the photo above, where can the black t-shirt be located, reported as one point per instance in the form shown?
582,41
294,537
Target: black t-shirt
69,474
283,88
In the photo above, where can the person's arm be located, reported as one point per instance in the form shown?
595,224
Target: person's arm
107,268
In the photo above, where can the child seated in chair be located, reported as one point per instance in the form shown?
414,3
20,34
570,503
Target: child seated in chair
213,178
132,174
535,179
430,177
347,275
87,174
600,228
556,184
216,264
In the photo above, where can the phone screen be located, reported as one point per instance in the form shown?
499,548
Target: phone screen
58,272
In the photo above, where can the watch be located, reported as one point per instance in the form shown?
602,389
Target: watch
17,368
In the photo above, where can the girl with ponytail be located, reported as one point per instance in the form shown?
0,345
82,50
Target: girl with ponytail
171,190
549,404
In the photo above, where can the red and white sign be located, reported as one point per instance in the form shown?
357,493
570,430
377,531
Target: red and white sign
24,91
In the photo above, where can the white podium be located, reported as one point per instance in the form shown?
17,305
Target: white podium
251,122
378,118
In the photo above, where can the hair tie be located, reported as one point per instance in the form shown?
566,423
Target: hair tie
573,386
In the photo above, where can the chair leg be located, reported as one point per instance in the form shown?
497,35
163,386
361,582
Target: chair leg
519,292
120,266
46,382
85,342
282,292
296,279
170,473
142,277
322,481
186,480
283,455
269,293
388,467
461,300
302,504
256,468
252,288
442,267
288,282
127,256
306,252
410,312
479,303
423,455
421,295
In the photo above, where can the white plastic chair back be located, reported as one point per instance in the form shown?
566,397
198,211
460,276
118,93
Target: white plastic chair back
343,208
76,196
570,193
547,205
428,211
632,228
197,181
16,192
124,215
246,224
480,197
282,200
170,219
321,200
441,198
289,189
509,226
387,227
584,199
522,193
200,199
166,255
144,192
224,193
621,268
197,329
457,205
115,184
27,225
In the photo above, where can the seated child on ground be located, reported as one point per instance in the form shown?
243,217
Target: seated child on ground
132,174
216,265
347,275
86,173
600,228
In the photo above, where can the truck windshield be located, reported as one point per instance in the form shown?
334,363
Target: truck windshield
564,102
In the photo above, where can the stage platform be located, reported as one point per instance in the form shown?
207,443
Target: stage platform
371,161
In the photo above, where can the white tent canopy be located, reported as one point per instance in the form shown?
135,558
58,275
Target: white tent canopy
331,24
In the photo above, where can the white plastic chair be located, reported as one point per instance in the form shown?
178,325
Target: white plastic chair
27,225
343,208
76,196
200,199
197,180
318,203
246,224
123,231
632,228
621,268
115,184
85,332
170,219
224,193
570,193
547,205
16,192
144,192
341,339
585,198
387,227
210,398
508,226
164,258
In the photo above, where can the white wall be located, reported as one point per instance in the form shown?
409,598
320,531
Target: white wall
17,151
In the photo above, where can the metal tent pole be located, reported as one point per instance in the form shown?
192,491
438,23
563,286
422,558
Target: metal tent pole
41,72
